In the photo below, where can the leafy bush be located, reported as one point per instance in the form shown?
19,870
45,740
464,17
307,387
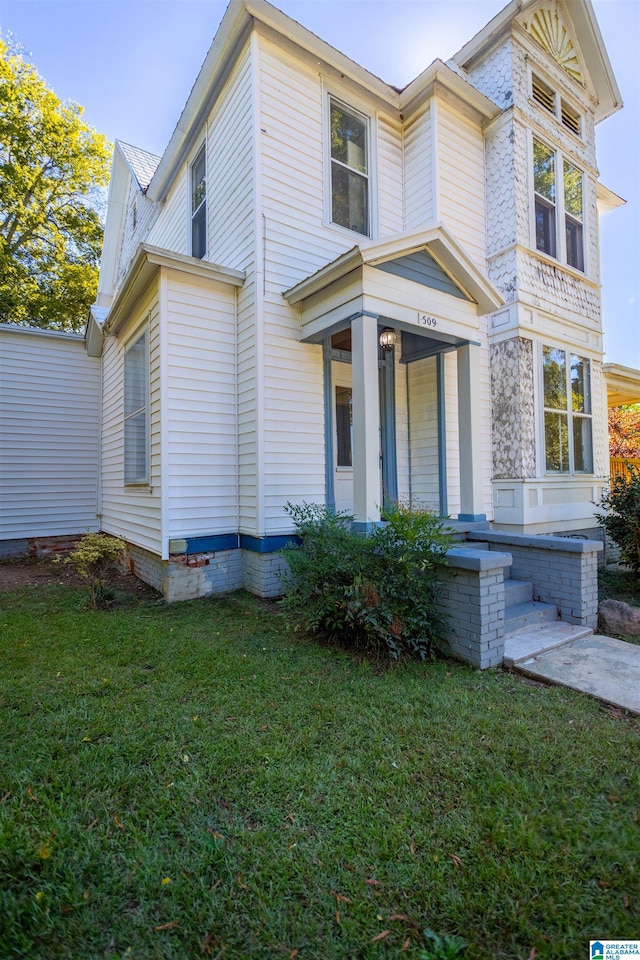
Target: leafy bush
93,558
377,592
622,521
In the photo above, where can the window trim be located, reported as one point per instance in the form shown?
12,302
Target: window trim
201,209
571,415
135,338
562,216
358,111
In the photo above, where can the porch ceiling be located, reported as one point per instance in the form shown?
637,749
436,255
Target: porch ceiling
444,297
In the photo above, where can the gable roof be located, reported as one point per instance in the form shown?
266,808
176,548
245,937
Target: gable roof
441,246
143,164
583,21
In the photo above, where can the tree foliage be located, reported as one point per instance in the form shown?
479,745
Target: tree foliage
624,431
52,164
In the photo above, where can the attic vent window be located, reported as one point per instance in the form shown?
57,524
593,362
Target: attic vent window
543,94
570,118
548,99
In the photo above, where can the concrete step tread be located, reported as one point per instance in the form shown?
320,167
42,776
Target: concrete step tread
532,641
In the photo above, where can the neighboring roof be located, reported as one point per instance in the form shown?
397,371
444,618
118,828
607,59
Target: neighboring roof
588,36
623,384
142,163
436,240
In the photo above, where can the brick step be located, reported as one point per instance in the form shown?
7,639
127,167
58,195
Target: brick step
517,591
528,614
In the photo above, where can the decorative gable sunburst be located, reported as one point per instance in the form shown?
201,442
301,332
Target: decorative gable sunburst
547,27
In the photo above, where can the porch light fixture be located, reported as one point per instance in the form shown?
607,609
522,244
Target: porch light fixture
388,339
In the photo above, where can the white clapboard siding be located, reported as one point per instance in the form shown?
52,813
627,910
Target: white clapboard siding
418,173
423,433
49,417
132,512
171,229
461,180
201,455
390,187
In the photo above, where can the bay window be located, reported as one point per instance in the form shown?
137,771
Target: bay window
558,200
567,412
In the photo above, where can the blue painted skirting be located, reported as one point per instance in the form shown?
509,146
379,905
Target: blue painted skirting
233,541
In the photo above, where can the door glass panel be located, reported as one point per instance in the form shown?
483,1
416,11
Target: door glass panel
344,426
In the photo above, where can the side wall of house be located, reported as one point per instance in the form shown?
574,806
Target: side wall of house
200,429
49,416
132,511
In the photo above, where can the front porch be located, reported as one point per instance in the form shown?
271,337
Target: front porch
406,376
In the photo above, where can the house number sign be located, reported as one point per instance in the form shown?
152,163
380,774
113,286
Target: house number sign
426,321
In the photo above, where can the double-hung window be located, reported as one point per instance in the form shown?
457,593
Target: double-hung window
136,412
558,191
349,150
567,412
198,177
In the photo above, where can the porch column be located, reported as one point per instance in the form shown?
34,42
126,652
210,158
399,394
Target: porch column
366,422
470,439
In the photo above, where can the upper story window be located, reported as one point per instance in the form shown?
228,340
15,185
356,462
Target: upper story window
558,190
198,177
136,411
547,97
567,412
349,149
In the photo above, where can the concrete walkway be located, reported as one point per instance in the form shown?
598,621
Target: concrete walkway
570,656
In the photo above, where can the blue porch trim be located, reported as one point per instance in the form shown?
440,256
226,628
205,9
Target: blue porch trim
365,526
388,427
206,544
472,517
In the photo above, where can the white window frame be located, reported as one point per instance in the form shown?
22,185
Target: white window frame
567,411
357,110
561,213
201,209
130,415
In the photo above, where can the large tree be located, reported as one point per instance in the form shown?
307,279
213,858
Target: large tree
52,166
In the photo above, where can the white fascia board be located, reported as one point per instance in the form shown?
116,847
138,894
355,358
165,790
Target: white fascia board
438,73
39,332
595,56
606,199
489,33
114,223
146,262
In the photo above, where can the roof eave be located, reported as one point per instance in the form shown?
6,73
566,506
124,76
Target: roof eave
147,261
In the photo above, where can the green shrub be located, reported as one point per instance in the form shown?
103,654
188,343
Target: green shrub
622,520
93,558
378,592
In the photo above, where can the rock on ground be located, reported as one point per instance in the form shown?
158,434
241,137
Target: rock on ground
616,617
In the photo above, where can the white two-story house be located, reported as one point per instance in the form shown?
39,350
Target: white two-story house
331,290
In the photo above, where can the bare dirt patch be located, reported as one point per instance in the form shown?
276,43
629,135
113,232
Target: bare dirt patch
31,572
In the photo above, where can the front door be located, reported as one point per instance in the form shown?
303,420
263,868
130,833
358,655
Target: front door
342,435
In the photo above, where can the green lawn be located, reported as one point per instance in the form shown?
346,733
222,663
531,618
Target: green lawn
196,781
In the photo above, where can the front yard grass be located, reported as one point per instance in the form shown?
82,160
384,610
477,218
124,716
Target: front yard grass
196,781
